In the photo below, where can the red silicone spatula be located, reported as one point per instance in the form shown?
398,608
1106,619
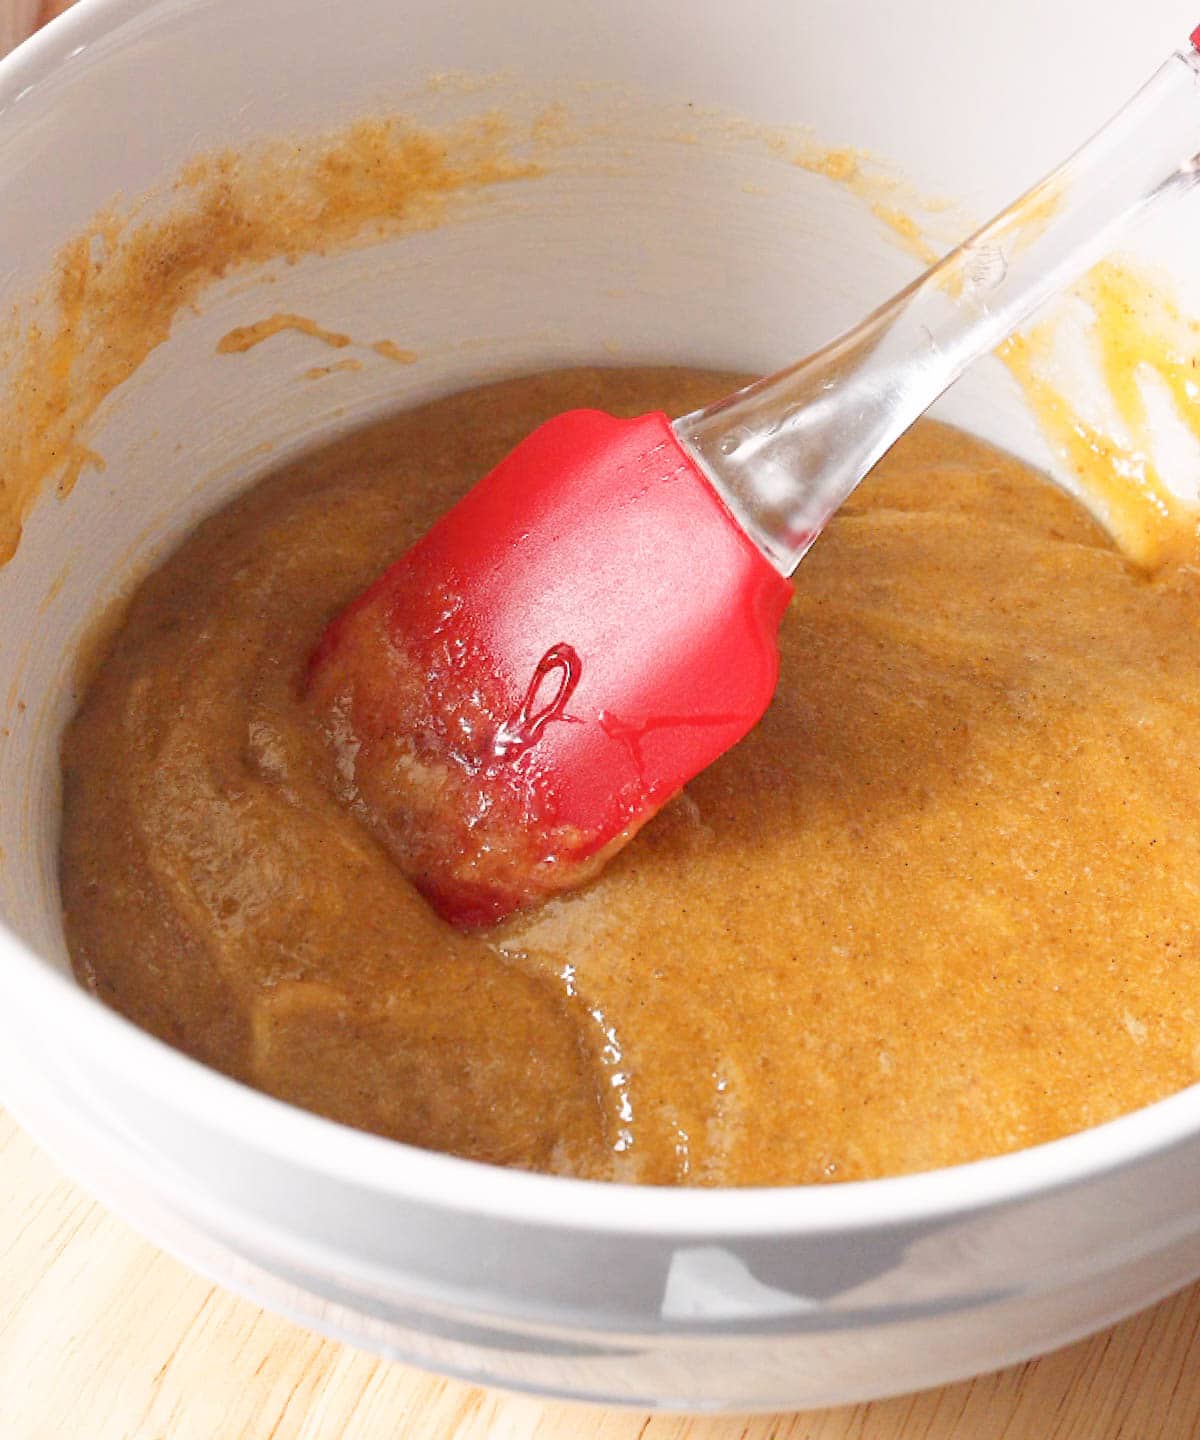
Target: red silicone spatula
595,622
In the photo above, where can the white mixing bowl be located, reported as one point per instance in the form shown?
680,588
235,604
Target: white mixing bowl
658,233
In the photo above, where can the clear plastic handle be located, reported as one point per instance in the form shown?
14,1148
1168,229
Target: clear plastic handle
786,451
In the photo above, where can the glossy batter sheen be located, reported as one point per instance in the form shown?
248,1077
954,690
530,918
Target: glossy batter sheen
942,903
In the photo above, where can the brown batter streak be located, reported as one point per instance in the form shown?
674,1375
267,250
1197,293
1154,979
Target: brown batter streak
391,351
318,372
116,288
246,337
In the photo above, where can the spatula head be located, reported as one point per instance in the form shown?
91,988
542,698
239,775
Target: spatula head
521,691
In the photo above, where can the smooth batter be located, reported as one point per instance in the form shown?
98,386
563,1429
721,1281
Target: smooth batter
942,903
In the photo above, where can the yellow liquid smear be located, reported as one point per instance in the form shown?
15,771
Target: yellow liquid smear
842,164
891,200
907,231
1138,336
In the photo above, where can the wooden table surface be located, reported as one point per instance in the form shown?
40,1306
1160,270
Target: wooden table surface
102,1337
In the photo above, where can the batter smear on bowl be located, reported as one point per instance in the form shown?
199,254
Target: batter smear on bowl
940,904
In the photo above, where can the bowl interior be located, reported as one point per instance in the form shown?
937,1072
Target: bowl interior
668,220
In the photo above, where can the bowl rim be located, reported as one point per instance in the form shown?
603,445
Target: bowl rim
406,1172
518,1197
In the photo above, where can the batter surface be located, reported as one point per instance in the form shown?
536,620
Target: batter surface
942,903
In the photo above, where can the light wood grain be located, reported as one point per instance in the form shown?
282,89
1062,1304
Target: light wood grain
104,1338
